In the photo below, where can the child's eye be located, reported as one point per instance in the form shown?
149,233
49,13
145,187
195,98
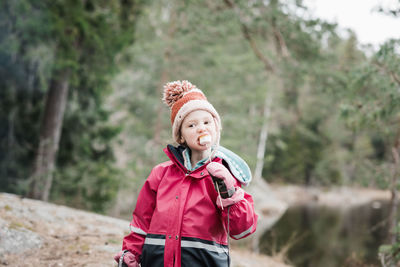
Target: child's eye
206,122
191,125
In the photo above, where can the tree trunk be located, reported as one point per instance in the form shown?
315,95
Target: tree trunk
269,68
50,133
394,202
263,139
160,113
164,74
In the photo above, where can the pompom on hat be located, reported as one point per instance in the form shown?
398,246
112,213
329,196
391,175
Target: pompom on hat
182,97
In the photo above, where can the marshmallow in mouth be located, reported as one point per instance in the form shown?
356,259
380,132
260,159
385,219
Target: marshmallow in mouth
205,139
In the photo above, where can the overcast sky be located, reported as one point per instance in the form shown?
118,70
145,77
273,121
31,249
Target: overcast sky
370,26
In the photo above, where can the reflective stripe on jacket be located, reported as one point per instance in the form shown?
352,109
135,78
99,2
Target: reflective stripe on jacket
176,221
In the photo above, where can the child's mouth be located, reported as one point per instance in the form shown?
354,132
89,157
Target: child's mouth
204,139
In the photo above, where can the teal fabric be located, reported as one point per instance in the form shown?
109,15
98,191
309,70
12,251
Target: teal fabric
188,163
237,165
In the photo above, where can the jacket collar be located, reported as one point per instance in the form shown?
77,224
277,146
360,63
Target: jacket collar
176,156
233,162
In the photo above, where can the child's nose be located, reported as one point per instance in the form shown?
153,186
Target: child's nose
201,128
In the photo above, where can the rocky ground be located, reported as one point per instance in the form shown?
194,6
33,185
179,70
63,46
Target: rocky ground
35,233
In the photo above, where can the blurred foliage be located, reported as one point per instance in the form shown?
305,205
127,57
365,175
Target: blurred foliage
38,40
335,105
390,254
25,69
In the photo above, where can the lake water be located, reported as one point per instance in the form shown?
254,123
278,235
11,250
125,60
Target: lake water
329,237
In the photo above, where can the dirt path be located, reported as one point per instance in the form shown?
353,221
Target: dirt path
34,233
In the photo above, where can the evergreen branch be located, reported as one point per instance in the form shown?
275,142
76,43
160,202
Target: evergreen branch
390,72
246,33
282,44
279,40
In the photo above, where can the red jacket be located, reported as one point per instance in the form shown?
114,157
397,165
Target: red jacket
176,219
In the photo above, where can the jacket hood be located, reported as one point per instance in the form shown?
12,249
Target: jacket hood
176,155
177,152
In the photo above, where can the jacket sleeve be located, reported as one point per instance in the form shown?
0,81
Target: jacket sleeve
242,218
142,215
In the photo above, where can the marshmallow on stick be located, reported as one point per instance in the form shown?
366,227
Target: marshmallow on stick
205,139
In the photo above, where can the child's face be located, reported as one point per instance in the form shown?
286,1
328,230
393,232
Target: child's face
196,124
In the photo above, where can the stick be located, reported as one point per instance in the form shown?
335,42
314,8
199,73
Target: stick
220,201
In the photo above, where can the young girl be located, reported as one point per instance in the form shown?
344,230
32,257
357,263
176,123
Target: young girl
189,204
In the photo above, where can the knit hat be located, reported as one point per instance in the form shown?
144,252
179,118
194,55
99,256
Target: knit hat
183,97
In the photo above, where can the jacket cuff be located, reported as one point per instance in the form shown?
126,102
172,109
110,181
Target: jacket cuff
236,197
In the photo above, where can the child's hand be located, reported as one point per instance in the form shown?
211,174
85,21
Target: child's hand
129,259
225,181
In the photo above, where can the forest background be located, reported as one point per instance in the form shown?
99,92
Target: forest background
81,117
